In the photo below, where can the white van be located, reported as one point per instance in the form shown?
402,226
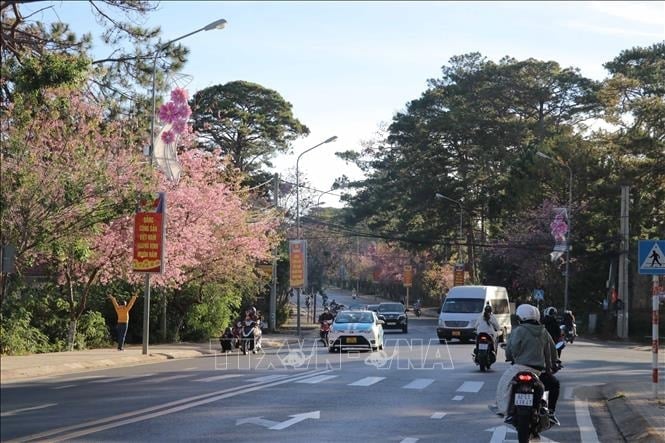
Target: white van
464,304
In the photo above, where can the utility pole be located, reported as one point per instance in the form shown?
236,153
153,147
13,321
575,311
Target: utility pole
273,286
622,315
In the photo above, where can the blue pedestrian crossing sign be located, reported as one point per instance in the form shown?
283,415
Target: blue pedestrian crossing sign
651,259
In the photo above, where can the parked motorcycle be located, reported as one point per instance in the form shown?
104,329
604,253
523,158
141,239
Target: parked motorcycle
324,331
528,406
484,354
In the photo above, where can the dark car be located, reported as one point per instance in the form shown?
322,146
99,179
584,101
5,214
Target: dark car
393,315
374,307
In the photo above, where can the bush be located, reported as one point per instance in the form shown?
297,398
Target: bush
92,331
17,337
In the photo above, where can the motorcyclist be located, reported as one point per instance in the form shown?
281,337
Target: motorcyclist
569,322
326,315
530,348
487,323
552,325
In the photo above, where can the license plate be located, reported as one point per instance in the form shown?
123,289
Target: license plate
456,333
351,340
483,346
391,323
523,399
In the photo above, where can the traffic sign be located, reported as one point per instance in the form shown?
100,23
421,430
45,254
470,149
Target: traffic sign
651,260
538,294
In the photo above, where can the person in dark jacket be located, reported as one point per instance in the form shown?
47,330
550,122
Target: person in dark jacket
552,325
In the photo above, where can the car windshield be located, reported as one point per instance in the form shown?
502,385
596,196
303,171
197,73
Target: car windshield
463,305
391,307
354,317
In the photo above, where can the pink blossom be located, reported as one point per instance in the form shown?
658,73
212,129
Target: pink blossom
168,112
168,136
179,95
179,126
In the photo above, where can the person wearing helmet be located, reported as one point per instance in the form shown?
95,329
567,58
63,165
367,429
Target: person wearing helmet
488,323
326,315
530,348
552,325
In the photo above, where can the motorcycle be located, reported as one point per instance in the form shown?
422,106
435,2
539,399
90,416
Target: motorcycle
417,311
250,337
528,406
228,340
484,354
324,331
568,333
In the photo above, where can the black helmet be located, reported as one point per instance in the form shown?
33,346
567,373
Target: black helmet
488,308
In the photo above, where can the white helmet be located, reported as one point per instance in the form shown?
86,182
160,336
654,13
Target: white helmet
551,311
527,312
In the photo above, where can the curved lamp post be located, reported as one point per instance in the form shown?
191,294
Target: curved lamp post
331,139
570,222
217,24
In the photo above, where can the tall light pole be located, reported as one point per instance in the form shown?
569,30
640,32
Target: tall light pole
461,234
331,139
570,222
217,24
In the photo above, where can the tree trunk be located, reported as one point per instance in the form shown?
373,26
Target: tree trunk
71,334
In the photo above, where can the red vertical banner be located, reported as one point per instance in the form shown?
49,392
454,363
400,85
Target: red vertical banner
408,276
458,275
298,263
149,235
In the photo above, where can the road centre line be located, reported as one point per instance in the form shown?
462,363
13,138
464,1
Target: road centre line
409,440
317,379
419,383
584,423
171,377
458,398
154,411
219,377
125,378
33,408
438,415
269,377
55,388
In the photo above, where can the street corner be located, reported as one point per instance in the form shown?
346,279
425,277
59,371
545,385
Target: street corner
629,416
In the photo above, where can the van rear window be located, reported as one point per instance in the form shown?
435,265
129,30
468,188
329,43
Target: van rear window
500,306
463,305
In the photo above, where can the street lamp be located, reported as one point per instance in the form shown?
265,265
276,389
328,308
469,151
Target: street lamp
331,139
461,235
217,24
570,222
318,200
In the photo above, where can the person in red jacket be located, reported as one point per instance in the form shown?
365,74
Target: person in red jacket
122,310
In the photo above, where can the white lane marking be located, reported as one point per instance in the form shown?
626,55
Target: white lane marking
409,440
63,387
437,415
218,377
129,377
471,386
269,377
498,434
139,415
171,377
367,381
317,379
419,383
18,411
587,431
190,369
458,398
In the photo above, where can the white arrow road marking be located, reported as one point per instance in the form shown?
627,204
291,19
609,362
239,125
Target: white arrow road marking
367,381
439,415
256,421
419,383
317,379
18,411
218,377
295,419
471,386
458,398
587,431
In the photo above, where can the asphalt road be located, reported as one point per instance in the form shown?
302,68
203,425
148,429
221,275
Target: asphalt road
416,390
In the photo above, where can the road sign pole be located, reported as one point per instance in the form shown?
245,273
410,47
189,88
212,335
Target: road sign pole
655,300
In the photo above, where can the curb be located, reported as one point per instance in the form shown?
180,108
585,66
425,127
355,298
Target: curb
630,423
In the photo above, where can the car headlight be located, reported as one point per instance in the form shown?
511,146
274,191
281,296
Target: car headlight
402,317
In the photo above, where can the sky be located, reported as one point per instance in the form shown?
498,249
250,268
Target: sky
348,67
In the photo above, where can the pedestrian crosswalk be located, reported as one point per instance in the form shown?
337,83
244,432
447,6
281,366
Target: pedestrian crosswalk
349,379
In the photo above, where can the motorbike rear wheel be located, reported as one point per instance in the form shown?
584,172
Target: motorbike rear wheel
522,424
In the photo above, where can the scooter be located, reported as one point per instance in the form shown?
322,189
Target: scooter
250,337
484,354
528,406
568,333
417,311
324,331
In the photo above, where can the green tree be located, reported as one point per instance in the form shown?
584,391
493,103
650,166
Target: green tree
249,123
